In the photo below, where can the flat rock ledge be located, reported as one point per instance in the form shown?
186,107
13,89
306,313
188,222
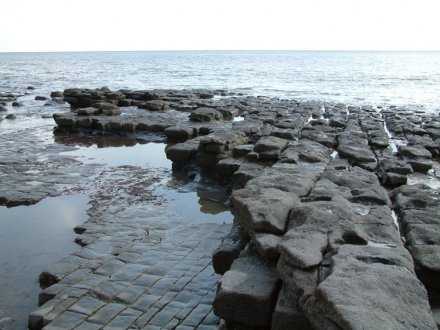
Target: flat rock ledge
330,231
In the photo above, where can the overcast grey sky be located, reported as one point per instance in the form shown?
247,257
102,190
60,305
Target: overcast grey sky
54,25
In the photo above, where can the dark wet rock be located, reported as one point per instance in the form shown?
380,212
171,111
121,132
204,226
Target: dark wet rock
338,121
249,206
66,120
425,141
375,195
265,130
415,152
427,260
11,116
300,282
325,139
419,210
247,293
267,245
349,223
356,152
293,122
303,246
88,111
270,147
426,234
420,165
316,108
41,98
205,115
242,150
364,290
228,166
180,132
249,127
56,94
3,108
185,107
7,97
325,190
125,103
217,145
105,106
154,105
297,179
206,95
393,179
412,217
378,140
395,166
17,104
51,103
207,159
30,88
246,172
353,178
229,249
228,113
418,196
306,151
222,140
182,152
284,133
288,314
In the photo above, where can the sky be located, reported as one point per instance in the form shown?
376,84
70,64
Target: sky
97,25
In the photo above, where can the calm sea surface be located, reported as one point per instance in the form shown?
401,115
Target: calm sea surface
400,78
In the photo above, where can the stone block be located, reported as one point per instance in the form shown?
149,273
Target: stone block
247,293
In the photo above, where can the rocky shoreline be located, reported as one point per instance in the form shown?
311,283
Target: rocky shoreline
331,228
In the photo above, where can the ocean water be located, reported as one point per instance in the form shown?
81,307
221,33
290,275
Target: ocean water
378,78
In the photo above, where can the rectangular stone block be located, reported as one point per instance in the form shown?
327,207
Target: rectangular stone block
247,293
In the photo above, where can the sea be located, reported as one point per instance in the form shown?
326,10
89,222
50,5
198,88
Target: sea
358,78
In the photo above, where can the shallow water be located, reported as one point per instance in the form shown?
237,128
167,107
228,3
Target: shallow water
32,238
147,154
194,196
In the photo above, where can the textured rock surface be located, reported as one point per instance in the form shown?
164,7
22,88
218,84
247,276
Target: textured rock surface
247,293
263,209
345,300
419,210
308,180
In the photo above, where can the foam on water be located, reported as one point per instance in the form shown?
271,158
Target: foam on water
357,78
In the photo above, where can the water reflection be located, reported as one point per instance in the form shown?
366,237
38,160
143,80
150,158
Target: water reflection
113,150
106,140
198,196
33,238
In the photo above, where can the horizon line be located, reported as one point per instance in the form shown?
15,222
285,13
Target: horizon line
225,50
